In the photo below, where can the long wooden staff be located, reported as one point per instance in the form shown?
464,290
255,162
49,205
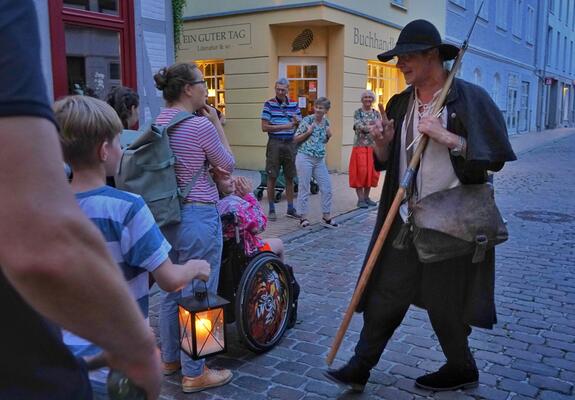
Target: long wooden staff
405,182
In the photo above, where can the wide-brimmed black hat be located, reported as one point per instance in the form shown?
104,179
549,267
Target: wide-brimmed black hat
417,36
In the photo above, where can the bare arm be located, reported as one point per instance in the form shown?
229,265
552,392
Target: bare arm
171,277
303,136
212,115
56,258
269,128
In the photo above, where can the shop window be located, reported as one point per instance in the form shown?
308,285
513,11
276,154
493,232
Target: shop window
93,46
303,85
384,80
213,72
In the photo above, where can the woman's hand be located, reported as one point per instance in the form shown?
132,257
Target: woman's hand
220,173
210,113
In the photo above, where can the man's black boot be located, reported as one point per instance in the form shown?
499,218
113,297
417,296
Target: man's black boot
449,378
349,377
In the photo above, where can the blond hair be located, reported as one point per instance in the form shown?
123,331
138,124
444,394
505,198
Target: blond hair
85,123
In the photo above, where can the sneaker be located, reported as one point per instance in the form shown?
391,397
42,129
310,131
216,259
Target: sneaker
291,213
348,378
370,202
449,378
208,379
170,368
303,223
329,223
272,216
362,204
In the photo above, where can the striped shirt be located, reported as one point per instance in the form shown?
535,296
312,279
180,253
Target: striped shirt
194,141
277,113
133,239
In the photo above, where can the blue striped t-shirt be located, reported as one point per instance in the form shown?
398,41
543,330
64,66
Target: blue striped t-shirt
277,113
133,239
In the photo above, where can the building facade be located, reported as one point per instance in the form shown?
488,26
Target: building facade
501,54
90,46
325,48
555,64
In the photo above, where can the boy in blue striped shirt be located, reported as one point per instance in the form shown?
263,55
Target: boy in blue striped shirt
90,137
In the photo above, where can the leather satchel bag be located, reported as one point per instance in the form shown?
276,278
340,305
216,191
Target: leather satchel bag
458,221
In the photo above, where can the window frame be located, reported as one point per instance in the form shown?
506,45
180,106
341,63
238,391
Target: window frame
501,14
123,24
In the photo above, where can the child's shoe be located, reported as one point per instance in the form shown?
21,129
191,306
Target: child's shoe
208,379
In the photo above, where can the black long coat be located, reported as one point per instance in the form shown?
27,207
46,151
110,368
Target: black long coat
473,115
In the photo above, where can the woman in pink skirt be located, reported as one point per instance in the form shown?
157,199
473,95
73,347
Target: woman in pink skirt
362,174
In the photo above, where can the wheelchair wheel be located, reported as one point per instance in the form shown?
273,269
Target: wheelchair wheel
278,196
313,187
263,299
259,194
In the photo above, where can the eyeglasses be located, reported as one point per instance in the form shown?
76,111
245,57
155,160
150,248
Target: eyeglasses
202,82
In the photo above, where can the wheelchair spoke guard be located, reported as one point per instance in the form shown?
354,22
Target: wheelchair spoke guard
262,302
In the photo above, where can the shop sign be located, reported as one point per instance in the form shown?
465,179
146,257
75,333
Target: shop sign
548,80
216,37
371,40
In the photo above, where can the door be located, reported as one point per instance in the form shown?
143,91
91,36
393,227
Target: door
524,107
307,80
512,110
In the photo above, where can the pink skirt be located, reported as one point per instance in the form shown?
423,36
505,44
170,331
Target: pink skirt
362,173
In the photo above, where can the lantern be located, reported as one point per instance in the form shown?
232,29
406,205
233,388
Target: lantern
202,324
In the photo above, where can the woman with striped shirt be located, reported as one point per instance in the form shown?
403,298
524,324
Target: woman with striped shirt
198,143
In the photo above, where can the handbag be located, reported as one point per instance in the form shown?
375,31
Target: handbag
455,222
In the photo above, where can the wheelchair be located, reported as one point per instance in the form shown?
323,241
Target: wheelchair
262,292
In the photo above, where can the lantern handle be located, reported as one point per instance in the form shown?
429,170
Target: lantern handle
203,294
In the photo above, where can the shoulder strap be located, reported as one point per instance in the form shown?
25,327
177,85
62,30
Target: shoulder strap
179,117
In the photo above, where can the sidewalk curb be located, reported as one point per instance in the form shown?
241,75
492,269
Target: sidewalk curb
314,228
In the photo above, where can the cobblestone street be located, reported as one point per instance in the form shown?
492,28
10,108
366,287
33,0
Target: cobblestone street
530,354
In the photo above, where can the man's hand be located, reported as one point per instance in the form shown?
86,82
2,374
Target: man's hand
294,121
201,269
243,186
145,372
431,126
382,130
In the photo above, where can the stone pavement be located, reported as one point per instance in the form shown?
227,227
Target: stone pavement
531,352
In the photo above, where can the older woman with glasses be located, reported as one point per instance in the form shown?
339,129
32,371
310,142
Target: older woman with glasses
198,143
362,173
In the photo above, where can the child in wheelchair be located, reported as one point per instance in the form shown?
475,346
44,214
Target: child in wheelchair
236,198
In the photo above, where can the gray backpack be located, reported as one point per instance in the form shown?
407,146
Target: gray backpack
147,169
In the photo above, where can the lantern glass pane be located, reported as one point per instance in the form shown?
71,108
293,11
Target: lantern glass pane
210,331
186,334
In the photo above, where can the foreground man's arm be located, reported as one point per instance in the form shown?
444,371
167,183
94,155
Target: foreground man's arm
57,260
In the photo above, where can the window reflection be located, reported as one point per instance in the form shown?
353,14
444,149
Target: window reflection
93,60
101,6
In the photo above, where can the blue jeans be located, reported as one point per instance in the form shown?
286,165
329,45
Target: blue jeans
198,236
308,166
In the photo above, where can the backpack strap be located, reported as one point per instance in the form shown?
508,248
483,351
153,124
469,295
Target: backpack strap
179,117
176,119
